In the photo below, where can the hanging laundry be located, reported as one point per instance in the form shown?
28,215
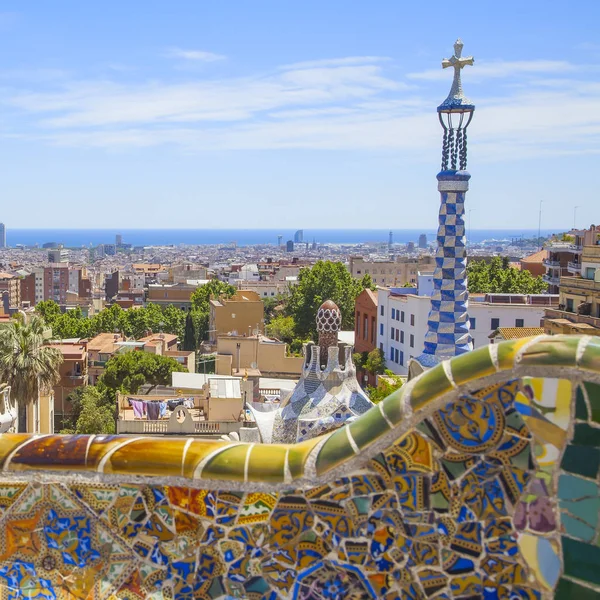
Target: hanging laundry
139,408
188,402
163,409
173,404
153,410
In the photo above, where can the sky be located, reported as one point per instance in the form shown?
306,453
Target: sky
266,114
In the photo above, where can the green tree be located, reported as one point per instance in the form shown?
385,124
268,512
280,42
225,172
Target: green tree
375,362
128,372
273,307
189,337
282,328
214,288
385,386
29,367
326,280
95,417
498,277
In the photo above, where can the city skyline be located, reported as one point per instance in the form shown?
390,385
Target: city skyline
190,117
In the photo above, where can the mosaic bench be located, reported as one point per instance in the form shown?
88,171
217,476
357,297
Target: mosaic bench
479,479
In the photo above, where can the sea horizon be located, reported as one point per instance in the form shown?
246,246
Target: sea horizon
242,237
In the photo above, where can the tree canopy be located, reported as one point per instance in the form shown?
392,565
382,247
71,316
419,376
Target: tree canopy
128,372
385,386
26,364
326,280
498,277
94,414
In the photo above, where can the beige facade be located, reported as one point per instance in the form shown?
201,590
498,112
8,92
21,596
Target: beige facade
240,315
40,415
177,294
10,286
579,304
236,354
390,273
100,350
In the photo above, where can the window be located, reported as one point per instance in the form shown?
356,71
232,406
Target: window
519,323
392,332
393,313
358,272
412,320
397,315
412,340
366,328
373,326
397,335
473,322
570,304
391,354
402,316
381,310
589,272
381,329
396,357
402,337
401,357
495,324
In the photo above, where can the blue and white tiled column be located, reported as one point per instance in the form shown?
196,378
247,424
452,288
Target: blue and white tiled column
448,323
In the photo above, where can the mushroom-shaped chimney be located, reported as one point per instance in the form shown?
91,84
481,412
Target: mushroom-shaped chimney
329,322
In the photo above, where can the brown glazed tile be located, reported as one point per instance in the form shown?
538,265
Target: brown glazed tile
64,452
8,443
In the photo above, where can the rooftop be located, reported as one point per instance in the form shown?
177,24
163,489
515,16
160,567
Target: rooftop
514,333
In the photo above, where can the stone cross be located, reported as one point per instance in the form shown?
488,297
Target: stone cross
458,63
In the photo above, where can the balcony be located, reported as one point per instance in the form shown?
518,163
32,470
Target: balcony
575,284
551,279
97,363
551,263
576,248
574,268
77,375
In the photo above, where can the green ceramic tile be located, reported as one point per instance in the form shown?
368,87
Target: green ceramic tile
392,405
571,487
369,427
582,460
591,356
581,411
335,451
227,464
576,528
267,463
586,435
299,454
569,590
581,560
593,392
586,509
558,351
472,365
430,385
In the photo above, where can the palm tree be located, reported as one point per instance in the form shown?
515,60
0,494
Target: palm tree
29,367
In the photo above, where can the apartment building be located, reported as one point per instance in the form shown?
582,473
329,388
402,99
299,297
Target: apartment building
56,282
365,332
402,320
100,349
177,294
579,304
242,314
390,273
73,374
10,291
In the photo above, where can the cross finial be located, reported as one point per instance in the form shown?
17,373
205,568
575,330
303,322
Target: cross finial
456,98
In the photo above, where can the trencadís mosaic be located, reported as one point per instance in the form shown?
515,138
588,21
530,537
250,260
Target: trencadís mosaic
479,479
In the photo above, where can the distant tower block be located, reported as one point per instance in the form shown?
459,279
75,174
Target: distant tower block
299,236
423,240
448,323
391,240
279,240
289,247
118,240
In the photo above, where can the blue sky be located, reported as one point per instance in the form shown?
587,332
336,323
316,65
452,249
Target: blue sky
292,114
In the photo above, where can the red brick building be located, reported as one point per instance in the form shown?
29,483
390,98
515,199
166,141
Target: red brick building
365,329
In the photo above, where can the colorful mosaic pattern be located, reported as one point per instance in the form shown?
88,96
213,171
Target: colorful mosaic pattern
493,493
448,322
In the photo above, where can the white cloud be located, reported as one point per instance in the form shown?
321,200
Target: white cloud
347,104
500,69
197,55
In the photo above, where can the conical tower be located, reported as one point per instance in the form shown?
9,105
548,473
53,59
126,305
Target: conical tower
448,323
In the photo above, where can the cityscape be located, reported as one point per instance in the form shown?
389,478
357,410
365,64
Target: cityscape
393,402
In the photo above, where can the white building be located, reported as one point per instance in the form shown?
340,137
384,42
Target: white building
402,320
